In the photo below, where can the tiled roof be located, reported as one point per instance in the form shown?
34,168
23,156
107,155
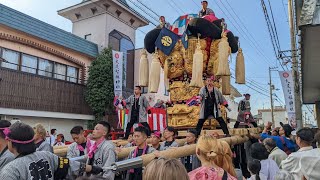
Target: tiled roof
27,24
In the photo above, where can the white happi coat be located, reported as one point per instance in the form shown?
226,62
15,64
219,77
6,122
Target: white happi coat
143,103
163,147
45,146
105,156
38,165
220,100
73,150
5,158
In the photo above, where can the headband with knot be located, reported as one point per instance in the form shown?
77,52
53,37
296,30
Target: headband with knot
157,134
6,131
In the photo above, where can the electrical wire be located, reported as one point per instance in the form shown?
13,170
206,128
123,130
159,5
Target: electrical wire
225,11
243,28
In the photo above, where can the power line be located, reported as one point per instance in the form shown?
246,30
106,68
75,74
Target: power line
252,88
256,44
173,7
244,36
149,9
284,10
274,26
183,12
147,13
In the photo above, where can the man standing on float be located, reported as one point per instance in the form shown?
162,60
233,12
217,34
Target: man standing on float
205,10
244,115
138,107
211,98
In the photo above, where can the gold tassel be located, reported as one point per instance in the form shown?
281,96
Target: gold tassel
197,67
226,87
154,73
165,73
224,52
240,68
144,69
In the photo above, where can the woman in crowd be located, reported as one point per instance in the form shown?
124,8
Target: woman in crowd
40,138
269,167
165,169
207,150
169,135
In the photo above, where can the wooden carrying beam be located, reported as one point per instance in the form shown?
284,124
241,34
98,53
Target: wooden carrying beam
180,151
62,150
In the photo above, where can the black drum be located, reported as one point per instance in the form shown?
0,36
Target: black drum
150,39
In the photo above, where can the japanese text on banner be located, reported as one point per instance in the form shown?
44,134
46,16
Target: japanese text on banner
288,90
117,58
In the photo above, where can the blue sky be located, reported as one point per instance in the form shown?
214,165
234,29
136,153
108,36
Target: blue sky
251,28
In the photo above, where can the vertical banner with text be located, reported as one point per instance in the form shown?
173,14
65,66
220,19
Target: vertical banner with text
288,91
117,58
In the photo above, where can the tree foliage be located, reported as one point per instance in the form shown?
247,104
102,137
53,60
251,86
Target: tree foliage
100,93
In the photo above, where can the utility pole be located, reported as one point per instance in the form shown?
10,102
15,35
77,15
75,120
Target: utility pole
295,69
271,97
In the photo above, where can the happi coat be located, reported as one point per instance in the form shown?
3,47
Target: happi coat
143,103
219,99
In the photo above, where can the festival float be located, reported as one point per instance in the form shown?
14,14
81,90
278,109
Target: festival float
192,49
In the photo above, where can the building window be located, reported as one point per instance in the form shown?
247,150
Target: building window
87,37
35,65
29,64
12,59
72,74
60,71
45,68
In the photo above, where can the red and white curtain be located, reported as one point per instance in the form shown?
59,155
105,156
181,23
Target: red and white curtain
157,120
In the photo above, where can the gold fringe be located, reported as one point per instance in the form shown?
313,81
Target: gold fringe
197,68
240,68
224,52
154,74
144,69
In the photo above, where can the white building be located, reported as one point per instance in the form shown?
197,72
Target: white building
279,112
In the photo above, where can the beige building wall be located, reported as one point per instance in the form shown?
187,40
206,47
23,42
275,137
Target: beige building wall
95,26
115,24
279,116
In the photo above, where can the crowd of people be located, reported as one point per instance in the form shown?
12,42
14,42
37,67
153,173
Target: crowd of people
286,155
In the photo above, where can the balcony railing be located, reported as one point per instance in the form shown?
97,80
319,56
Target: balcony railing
21,90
